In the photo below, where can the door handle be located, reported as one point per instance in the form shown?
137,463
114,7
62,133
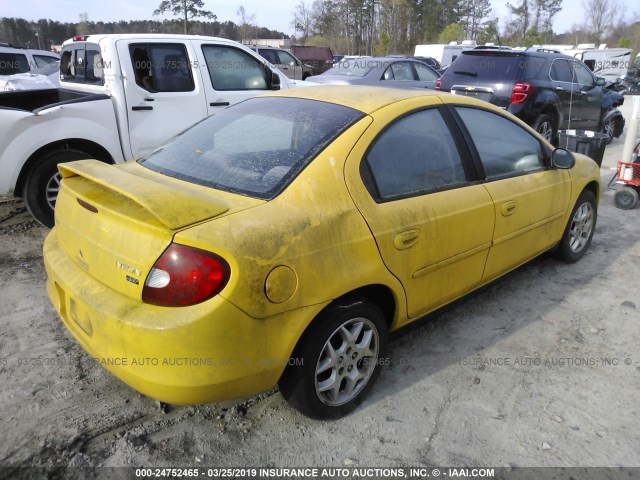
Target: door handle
560,89
137,108
219,104
404,240
508,208
149,99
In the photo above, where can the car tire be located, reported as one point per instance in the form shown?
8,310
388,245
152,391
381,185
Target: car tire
348,336
579,230
609,127
544,125
43,183
626,198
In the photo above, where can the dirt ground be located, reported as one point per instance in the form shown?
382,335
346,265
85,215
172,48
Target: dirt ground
540,369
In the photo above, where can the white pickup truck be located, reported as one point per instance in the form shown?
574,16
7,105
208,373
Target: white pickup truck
121,96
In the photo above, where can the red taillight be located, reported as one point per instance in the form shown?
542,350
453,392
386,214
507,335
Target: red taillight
80,38
520,92
185,276
438,83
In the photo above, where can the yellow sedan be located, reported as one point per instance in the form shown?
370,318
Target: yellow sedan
279,241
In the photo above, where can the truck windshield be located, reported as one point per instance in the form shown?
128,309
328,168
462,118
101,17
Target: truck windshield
254,148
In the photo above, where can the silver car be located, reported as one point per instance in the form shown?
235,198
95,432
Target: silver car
383,71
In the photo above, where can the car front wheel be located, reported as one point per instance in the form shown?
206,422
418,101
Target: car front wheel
337,360
579,231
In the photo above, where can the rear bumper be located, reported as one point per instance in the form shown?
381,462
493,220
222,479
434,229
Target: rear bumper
204,353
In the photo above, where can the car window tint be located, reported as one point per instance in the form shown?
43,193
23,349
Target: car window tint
417,154
269,55
561,71
482,66
44,60
583,76
162,67
255,147
233,69
531,67
424,72
402,71
505,149
286,58
12,63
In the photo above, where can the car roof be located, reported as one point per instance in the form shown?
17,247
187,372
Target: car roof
368,99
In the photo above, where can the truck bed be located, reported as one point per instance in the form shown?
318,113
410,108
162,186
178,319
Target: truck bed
33,100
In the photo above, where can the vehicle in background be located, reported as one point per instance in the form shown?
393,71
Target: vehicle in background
284,61
320,59
36,79
432,62
546,89
608,63
14,60
383,71
630,81
445,53
122,97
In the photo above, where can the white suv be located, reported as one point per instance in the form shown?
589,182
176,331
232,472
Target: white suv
22,60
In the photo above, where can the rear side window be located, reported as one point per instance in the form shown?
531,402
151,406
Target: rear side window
162,67
12,63
254,148
417,154
487,67
233,69
82,63
425,73
44,60
505,149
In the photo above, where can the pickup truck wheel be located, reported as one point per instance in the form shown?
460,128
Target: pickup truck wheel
545,127
43,183
337,360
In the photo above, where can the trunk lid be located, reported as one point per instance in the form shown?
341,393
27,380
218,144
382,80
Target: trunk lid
116,221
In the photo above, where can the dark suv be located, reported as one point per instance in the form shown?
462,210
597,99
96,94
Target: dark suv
544,88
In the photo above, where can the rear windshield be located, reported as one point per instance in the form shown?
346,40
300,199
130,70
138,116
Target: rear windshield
12,63
487,67
353,67
253,148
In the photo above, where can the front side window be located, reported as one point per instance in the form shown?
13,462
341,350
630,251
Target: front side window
162,67
12,63
255,147
505,149
286,58
399,71
233,69
415,155
583,76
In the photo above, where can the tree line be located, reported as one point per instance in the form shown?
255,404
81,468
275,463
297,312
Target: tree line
379,27
45,33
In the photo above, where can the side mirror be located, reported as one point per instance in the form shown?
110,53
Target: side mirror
563,159
275,81
600,82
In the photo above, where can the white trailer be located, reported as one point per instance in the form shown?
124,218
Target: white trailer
445,53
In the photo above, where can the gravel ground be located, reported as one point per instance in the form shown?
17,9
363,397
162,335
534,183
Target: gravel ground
540,369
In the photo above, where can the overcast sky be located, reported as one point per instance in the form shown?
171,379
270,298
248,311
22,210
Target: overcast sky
276,15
